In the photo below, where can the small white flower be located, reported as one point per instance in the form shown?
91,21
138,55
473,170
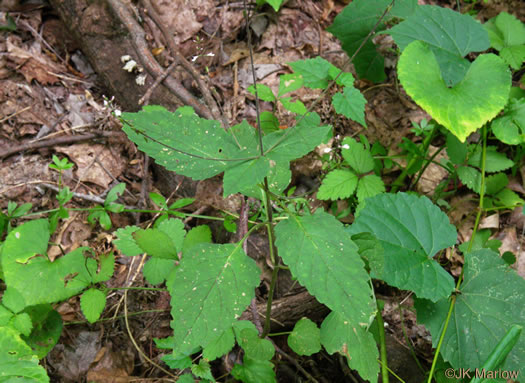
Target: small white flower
106,103
345,146
118,113
210,54
140,79
194,58
130,65
125,58
327,150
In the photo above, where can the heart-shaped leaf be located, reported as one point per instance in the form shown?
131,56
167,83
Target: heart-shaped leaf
464,108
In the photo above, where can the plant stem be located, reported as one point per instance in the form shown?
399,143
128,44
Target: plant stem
399,180
470,244
269,303
382,344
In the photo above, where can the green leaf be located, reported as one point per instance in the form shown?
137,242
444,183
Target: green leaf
481,240
313,71
198,234
343,79
276,4
156,243
163,242
411,231
491,301
295,142
279,178
353,25
269,123
125,241
254,371
17,362
351,104
296,107
289,83
202,370
158,200
38,280
507,197
22,323
253,346
184,378
92,303
263,92
357,156
510,128
305,338
47,327
494,161
470,177
210,289
13,300
219,346
369,186
500,352
449,35
463,109
114,193
338,184
106,268
192,146
324,260
245,175
157,270
21,210
507,35
371,252
456,150
354,342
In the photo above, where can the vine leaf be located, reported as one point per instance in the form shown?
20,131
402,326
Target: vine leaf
411,231
200,148
351,104
324,259
353,25
337,184
510,128
507,35
17,362
210,289
354,342
27,269
182,132
305,338
490,287
463,109
449,35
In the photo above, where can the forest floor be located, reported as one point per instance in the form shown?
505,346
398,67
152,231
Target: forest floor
53,103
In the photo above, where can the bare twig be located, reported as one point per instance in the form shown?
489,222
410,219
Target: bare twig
181,60
295,363
137,36
144,100
60,141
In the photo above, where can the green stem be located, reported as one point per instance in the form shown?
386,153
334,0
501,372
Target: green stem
136,288
399,180
427,164
382,344
273,282
280,333
470,244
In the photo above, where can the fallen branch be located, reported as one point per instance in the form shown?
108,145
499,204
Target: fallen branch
60,141
137,37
